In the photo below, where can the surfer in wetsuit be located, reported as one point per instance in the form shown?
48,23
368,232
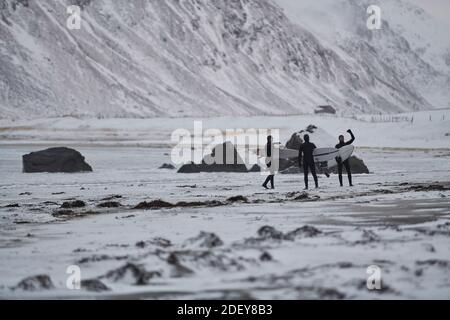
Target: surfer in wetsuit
305,155
269,151
345,163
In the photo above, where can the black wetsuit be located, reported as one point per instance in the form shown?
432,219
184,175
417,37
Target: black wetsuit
306,154
345,163
270,178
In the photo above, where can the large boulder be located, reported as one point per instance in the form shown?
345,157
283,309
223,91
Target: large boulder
55,160
224,158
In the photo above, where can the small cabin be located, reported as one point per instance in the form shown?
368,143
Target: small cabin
325,109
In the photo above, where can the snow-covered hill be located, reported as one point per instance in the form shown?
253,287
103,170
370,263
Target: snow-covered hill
412,42
200,58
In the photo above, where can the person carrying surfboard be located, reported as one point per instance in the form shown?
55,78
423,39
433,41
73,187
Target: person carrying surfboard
269,152
345,163
305,157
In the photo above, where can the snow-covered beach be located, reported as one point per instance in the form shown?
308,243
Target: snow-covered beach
229,238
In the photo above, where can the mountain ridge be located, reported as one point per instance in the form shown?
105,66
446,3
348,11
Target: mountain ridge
183,58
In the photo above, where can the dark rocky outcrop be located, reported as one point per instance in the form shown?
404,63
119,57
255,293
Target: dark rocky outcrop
296,139
93,285
167,166
14,205
357,165
159,242
178,269
255,168
155,204
137,274
205,240
73,204
35,283
269,232
303,232
55,160
224,158
160,204
265,256
238,199
109,204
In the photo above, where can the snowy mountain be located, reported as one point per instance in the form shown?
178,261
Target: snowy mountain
413,43
182,58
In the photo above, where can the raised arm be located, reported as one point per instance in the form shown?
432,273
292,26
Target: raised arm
352,139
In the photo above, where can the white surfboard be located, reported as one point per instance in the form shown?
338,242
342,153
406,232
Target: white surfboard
327,158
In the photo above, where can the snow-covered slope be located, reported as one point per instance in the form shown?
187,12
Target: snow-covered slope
413,43
195,58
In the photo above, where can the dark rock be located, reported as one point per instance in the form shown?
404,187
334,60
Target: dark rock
224,158
35,283
301,196
265,257
139,275
179,270
14,205
434,262
190,168
167,166
101,257
212,203
94,285
205,240
238,199
55,160
431,187
109,204
190,186
303,232
160,204
211,259
297,138
73,204
295,141
155,204
311,128
298,195
344,265
160,242
370,236
270,232
61,213
255,168
357,165
113,197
